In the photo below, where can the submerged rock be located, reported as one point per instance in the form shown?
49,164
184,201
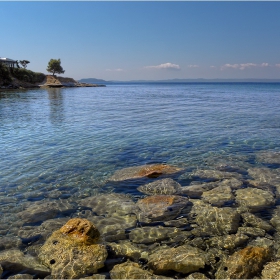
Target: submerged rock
213,221
147,235
244,264
17,261
275,220
271,270
149,170
265,175
9,242
228,242
126,248
252,220
215,174
218,196
196,275
252,232
165,186
71,253
195,191
184,259
44,210
131,270
1,271
112,204
160,207
21,276
254,199
270,157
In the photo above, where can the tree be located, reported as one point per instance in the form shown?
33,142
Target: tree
24,63
55,67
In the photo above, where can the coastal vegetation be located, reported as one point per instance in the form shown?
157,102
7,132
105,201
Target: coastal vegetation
54,67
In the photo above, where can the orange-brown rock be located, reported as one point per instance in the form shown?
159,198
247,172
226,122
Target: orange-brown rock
70,252
81,230
160,207
149,170
244,264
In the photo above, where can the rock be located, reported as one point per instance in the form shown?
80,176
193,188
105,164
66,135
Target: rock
228,242
196,275
150,171
218,196
271,270
262,242
130,270
43,210
252,232
184,259
110,204
233,183
195,191
252,220
71,253
165,186
213,221
9,242
244,264
215,174
275,220
254,199
96,276
265,175
160,207
21,276
270,157
109,225
16,261
182,222
1,271
126,248
147,235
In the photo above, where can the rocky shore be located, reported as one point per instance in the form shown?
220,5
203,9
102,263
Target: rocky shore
49,82
224,225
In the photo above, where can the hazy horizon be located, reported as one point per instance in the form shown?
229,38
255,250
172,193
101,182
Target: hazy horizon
145,40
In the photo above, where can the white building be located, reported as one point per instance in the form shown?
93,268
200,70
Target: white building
9,62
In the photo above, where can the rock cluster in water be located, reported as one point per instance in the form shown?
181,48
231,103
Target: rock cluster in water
223,225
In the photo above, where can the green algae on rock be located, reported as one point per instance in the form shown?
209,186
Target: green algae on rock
71,253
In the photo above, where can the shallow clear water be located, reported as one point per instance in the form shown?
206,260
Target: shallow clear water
77,137
64,144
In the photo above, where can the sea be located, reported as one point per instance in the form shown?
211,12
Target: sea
65,143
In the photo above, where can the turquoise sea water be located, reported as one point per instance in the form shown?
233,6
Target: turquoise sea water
75,138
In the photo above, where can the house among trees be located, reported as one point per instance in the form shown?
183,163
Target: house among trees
8,62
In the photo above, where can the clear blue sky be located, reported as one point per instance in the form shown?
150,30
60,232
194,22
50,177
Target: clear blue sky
145,40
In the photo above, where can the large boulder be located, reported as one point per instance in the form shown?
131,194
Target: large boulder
184,259
164,186
149,170
244,264
71,252
160,207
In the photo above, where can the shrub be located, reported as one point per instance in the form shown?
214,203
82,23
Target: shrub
27,75
5,76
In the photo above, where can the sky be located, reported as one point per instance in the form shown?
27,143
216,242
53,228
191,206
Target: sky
145,40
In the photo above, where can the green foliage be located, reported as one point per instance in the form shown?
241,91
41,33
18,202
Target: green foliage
24,63
5,76
54,66
27,75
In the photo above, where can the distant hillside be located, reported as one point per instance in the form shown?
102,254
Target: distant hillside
94,81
